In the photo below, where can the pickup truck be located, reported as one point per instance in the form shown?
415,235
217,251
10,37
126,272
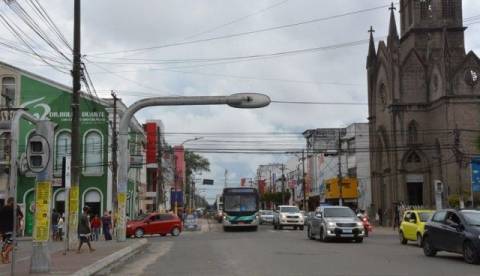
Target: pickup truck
286,215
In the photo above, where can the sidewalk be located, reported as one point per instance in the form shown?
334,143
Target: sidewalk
106,253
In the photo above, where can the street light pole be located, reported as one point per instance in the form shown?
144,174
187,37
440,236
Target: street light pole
242,100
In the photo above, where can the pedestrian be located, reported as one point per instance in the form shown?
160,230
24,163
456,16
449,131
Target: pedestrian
380,216
140,213
396,217
60,227
95,224
107,225
6,228
84,231
55,217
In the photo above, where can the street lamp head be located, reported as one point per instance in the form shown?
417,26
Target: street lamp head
248,100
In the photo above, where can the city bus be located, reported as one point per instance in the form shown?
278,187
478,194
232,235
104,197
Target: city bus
240,208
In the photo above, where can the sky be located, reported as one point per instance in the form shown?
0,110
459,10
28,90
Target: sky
149,48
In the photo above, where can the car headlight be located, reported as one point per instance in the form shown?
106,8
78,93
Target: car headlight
283,216
359,224
332,224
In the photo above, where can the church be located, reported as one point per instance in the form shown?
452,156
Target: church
424,108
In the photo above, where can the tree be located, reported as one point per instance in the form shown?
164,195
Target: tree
194,163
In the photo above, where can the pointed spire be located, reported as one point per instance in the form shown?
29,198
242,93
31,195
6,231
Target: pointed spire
372,54
392,29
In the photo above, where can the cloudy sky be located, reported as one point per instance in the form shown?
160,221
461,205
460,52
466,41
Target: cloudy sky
151,48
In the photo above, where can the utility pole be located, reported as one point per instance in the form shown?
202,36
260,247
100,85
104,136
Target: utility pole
283,184
304,183
114,152
340,178
226,174
75,146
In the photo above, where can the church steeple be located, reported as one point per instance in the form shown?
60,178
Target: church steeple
393,37
372,54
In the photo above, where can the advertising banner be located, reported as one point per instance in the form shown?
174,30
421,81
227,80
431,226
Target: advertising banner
475,167
42,203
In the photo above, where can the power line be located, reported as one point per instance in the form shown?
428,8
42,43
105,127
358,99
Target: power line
243,33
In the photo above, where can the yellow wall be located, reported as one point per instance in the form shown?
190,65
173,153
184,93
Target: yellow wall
349,189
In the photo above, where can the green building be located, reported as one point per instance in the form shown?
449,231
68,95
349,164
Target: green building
47,99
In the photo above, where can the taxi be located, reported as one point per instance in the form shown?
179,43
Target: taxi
413,226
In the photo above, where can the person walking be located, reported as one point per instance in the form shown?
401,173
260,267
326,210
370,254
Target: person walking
106,226
95,224
6,229
84,231
55,216
60,228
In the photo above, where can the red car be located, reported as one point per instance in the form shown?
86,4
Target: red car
155,223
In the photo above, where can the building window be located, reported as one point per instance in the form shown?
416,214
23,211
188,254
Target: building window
449,9
8,91
425,9
62,149
352,172
93,153
410,13
351,146
413,158
412,133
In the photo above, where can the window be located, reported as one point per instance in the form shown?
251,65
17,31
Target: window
93,153
62,149
8,91
413,158
352,172
452,219
351,146
439,216
410,13
449,9
412,133
425,9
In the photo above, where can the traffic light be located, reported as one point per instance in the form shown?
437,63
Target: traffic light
37,153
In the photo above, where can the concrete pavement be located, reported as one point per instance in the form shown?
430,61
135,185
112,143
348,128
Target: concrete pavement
287,252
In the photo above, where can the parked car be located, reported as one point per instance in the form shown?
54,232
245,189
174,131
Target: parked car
412,226
338,222
155,223
456,231
286,215
266,216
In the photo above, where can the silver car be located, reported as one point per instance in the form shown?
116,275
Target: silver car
335,222
266,217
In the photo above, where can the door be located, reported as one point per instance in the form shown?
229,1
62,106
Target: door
415,193
436,228
453,235
151,224
165,223
409,226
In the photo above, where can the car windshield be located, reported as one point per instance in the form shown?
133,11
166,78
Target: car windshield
338,213
267,213
425,216
289,209
472,217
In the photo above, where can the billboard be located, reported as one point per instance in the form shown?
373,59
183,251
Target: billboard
207,181
475,167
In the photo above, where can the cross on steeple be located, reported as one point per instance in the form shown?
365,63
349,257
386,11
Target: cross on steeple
371,31
392,7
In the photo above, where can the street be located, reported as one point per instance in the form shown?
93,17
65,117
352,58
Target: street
286,252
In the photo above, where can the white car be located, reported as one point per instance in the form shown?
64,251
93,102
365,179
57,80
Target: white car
266,216
287,215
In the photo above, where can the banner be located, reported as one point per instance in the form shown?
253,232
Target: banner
475,167
43,195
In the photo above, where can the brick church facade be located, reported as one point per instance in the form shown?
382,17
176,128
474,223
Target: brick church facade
424,106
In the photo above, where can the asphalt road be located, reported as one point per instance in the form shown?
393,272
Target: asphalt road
287,252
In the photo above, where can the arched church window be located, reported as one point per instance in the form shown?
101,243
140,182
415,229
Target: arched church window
449,9
414,158
383,94
412,133
472,76
425,9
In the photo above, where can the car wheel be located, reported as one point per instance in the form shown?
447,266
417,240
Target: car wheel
402,237
301,228
280,227
309,234
419,240
428,248
323,234
175,231
226,229
274,226
295,227
470,255
366,232
139,233
358,240
255,228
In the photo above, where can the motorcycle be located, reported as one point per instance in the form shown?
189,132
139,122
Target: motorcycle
366,223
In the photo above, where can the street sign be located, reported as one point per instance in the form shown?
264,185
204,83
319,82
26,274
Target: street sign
68,172
208,182
475,167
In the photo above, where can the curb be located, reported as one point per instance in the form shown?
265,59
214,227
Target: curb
105,265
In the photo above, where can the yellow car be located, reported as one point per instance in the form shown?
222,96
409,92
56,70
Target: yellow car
413,226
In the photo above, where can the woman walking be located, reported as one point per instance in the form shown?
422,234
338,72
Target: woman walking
96,224
106,226
84,231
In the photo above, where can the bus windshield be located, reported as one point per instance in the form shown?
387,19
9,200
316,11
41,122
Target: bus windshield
240,203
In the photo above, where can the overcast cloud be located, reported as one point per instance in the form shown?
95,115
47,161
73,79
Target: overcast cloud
116,25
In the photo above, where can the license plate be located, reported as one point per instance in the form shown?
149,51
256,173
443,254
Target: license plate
347,231
241,222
